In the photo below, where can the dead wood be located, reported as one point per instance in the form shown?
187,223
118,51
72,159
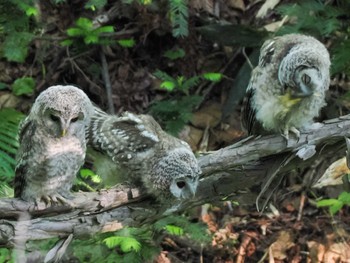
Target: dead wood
230,172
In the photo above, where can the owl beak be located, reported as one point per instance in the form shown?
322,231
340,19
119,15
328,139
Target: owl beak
302,91
64,125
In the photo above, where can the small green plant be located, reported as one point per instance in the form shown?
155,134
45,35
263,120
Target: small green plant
85,30
176,112
133,245
335,204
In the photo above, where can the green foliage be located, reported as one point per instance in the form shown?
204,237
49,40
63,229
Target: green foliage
135,245
174,230
5,255
335,204
126,42
85,30
341,53
177,111
307,16
178,12
175,54
15,29
15,46
87,181
23,86
88,174
179,225
95,4
9,121
214,77
126,244
6,191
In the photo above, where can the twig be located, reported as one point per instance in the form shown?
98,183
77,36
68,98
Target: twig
107,80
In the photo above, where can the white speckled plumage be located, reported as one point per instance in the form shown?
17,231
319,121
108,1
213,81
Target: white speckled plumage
146,155
287,88
52,144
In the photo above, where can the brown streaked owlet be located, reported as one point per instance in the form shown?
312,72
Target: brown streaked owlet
164,166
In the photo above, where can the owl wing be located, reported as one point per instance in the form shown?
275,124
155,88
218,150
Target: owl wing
121,137
248,113
26,133
249,122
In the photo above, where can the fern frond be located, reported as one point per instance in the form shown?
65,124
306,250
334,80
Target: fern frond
9,121
179,17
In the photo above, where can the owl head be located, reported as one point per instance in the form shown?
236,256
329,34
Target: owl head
305,69
62,110
177,173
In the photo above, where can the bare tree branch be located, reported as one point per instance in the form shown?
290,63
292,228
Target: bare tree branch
228,172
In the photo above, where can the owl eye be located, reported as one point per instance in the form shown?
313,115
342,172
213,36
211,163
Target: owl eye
181,184
74,119
54,118
306,79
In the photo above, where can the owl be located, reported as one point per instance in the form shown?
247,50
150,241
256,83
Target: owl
52,145
287,88
164,166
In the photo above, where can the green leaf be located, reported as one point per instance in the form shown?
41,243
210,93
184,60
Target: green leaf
344,197
215,77
175,54
126,244
91,39
23,86
104,29
126,42
15,46
2,86
190,83
75,32
31,11
9,120
174,230
95,4
84,23
163,76
168,85
88,174
327,202
336,207
67,42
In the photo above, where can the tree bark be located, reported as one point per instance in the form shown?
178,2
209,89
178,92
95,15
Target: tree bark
230,172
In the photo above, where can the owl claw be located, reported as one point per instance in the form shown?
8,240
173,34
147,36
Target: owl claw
56,199
293,130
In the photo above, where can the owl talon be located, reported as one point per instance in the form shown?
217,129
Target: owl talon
296,132
57,199
293,130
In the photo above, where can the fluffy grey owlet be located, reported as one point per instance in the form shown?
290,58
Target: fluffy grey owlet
142,152
52,144
287,88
